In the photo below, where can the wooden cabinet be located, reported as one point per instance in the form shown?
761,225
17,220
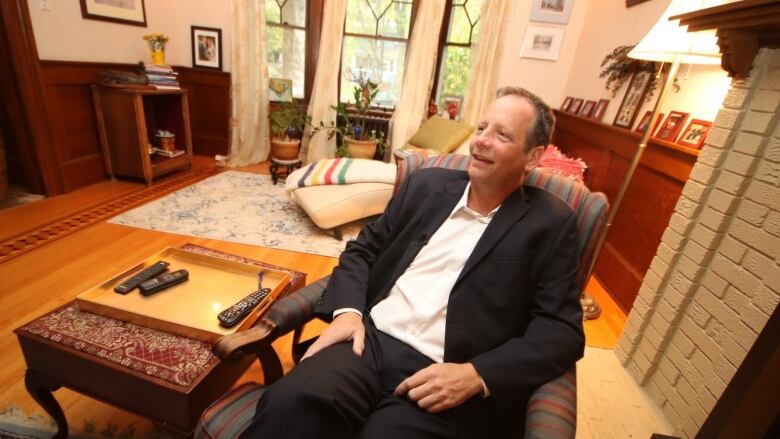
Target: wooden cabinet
128,119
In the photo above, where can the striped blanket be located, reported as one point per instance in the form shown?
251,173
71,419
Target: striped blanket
341,171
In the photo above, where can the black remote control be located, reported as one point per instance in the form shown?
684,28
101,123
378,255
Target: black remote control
149,272
235,313
163,281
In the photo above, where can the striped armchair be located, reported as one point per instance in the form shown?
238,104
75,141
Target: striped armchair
552,409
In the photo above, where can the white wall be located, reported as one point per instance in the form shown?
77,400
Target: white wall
62,34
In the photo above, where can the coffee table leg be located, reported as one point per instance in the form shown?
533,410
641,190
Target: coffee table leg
40,389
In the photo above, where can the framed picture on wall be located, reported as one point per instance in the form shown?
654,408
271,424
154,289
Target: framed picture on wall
635,95
207,47
587,109
551,11
695,134
601,108
125,12
672,126
645,120
542,42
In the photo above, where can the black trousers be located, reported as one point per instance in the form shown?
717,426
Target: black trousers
336,394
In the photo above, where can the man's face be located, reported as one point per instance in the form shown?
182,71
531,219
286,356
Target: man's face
498,156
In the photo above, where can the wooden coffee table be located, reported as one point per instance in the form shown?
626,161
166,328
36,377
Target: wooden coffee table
167,378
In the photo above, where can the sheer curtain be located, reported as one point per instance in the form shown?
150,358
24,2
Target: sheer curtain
249,141
325,90
418,73
485,57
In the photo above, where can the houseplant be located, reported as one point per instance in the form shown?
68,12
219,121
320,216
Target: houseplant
355,141
288,124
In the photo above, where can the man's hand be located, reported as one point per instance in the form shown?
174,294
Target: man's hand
440,387
346,326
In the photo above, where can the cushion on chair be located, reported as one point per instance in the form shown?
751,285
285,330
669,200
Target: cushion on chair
440,134
231,414
552,409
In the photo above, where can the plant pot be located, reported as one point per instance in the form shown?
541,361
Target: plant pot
361,149
285,149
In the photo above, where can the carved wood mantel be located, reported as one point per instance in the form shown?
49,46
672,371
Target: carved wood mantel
742,28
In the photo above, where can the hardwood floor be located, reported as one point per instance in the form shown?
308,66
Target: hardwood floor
49,276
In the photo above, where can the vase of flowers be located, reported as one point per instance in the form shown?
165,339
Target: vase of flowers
157,45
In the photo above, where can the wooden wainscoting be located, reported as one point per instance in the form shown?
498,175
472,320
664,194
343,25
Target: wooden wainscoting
649,202
71,114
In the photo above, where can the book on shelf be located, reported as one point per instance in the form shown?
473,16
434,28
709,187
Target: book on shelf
166,153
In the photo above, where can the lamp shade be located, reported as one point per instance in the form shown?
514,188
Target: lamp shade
667,39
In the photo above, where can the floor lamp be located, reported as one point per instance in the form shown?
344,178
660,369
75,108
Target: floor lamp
667,42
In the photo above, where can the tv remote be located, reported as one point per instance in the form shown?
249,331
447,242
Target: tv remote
235,313
163,281
147,273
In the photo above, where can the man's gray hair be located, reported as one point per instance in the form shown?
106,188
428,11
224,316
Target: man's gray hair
544,123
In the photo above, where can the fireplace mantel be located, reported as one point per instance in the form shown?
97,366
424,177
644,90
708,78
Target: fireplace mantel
742,28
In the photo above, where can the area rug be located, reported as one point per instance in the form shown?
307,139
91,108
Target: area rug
238,207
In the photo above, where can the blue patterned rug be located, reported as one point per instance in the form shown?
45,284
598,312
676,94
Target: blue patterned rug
238,207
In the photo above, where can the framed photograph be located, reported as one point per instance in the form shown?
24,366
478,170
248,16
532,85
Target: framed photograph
566,103
635,95
119,11
575,106
207,47
695,134
672,126
601,108
630,3
280,90
452,106
645,120
551,11
587,109
542,42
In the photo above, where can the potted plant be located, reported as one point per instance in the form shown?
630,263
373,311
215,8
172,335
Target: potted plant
288,123
355,141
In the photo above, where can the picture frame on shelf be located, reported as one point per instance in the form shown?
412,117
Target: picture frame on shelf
551,11
575,106
633,99
542,42
645,120
566,103
587,108
672,126
206,47
280,90
695,133
133,13
600,109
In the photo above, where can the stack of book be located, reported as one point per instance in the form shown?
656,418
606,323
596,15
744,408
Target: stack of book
162,77
166,153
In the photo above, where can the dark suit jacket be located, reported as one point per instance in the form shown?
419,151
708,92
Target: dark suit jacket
514,311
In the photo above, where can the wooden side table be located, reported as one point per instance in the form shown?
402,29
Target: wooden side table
164,377
288,165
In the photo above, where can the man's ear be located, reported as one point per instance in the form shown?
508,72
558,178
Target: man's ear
534,156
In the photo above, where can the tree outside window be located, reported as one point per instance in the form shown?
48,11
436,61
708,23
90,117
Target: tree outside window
286,47
461,21
376,35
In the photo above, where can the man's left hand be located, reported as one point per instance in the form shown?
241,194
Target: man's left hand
442,386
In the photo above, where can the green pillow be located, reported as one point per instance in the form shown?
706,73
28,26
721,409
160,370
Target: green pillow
440,134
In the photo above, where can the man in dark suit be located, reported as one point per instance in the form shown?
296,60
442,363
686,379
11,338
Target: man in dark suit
451,307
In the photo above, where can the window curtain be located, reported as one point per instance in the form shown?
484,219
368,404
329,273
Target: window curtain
418,73
483,79
325,91
249,142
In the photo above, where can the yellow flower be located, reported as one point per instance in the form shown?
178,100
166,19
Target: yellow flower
156,38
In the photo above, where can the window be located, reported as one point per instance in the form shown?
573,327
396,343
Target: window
376,35
286,32
459,33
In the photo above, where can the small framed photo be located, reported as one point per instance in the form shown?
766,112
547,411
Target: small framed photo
280,90
576,105
207,47
645,121
125,12
551,11
452,106
542,42
587,109
672,126
633,99
695,134
601,108
566,103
